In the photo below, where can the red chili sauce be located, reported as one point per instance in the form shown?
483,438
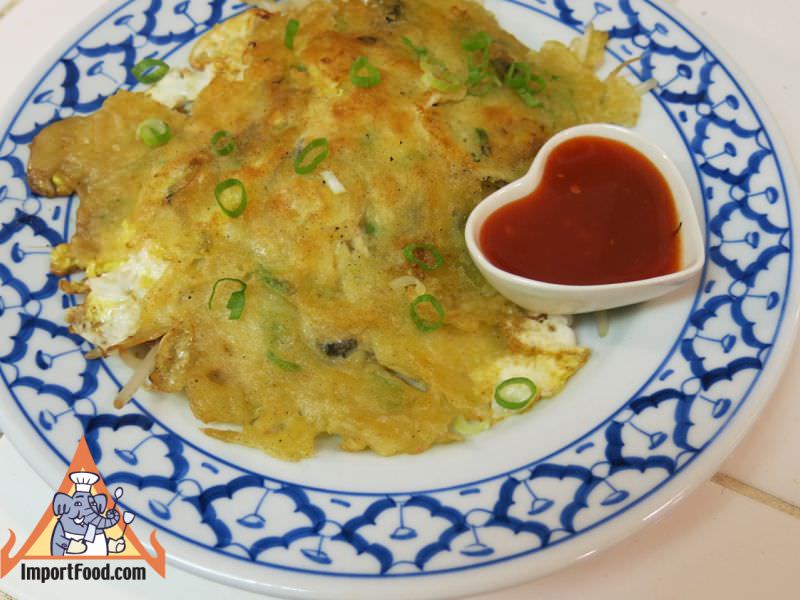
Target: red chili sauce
603,213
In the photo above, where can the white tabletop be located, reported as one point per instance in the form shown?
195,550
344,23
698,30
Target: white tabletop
737,536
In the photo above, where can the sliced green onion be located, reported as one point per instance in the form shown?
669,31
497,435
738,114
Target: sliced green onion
517,75
519,78
150,70
363,74
476,74
292,27
279,285
483,142
369,227
223,143
437,76
422,324
420,51
528,98
480,79
483,86
301,167
433,82
154,132
235,304
476,41
411,256
507,394
281,363
540,84
231,197
465,428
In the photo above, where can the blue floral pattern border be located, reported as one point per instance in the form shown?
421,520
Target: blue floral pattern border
198,497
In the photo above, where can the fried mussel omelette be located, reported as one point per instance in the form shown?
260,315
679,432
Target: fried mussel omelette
305,273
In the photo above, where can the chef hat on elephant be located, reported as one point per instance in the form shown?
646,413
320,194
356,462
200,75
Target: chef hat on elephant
83,481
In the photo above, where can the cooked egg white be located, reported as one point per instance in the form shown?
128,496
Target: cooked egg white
180,87
111,311
547,353
224,47
551,332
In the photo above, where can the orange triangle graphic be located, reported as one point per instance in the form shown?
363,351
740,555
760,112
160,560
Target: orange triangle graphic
84,499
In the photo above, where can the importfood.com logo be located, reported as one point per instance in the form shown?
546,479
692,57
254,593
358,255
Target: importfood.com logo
81,572
82,533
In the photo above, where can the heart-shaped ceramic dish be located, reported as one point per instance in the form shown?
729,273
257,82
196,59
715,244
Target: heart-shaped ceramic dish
551,298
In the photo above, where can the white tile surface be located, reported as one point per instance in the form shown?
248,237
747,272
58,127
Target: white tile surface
716,544
762,38
769,457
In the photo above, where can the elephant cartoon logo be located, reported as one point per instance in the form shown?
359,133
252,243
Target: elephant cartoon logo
83,520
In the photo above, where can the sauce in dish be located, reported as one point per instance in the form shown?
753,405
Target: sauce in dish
602,213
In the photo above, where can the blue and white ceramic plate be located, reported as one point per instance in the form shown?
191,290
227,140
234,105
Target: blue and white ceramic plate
664,398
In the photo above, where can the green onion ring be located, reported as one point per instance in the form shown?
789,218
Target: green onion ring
465,428
519,78
150,70
223,143
305,169
370,79
476,74
527,98
476,41
438,260
222,187
435,73
236,301
482,87
422,324
292,27
437,76
154,132
517,75
437,83
281,363
478,71
540,83
420,51
510,404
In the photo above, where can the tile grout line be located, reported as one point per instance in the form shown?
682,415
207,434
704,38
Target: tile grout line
8,7
756,494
